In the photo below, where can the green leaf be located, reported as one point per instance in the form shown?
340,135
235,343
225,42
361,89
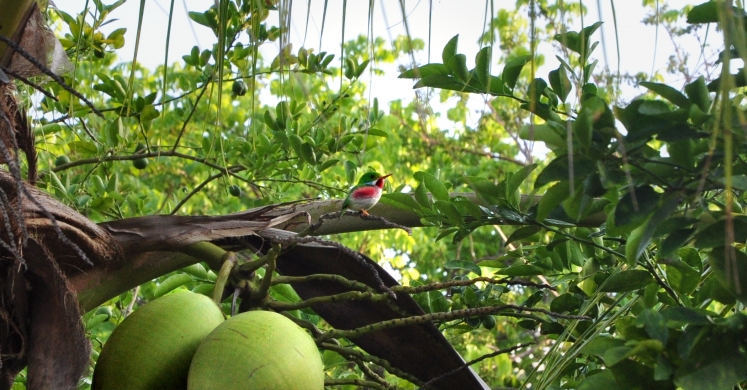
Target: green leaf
714,364
196,270
599,345
627,281
552,199
654,324
647,233
714,235
697,92
270,121
446,232
421,195
350,171
520,270
149,113
496,87
361,67
485,189
558,170
674,241
653,107
401,201
629,210
615,355
284,292
328,164
522,233
377,133
199,18
542,110
513,183
439,304
448,209
117,38
533,299
424,301
83,147
668,93
437,189
349,69
440,81
296,142
467,207
551,133
171,283
457,65
450,49
560,82
571,40
113,130
679,316
469,297
425,71
684,275
587,32
731,270
512,70
583,127
482,65
96,320
548,328
704,13
463,265
578,42
566,303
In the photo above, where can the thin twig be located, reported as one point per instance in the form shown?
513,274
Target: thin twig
372,375
349,352
357,382
351,284
199,187
346,296
444,316
459,283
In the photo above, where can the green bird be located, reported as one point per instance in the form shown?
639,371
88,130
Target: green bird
365,194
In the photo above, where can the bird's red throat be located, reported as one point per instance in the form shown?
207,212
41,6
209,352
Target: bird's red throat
366,192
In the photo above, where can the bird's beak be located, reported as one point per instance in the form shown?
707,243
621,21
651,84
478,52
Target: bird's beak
384,177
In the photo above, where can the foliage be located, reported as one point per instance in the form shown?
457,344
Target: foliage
639,226
670,249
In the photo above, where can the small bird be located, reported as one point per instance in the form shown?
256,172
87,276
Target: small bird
365,194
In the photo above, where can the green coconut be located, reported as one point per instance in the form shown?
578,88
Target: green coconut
153,347
257,350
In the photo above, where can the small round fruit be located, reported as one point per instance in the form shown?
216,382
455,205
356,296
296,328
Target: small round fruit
488,322
61,160
473,322
234,190
153,347
140,163
257,350
239,88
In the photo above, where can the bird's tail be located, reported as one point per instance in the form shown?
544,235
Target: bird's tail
341,213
